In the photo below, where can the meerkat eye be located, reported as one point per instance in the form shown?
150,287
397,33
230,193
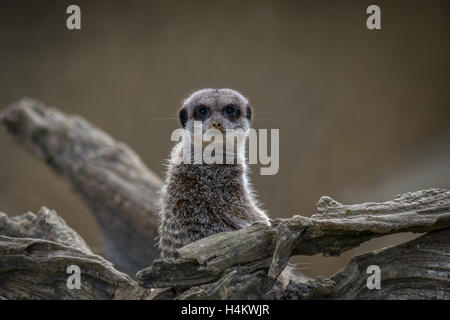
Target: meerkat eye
202,112
231,111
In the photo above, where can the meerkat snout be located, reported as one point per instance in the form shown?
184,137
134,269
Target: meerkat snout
217,125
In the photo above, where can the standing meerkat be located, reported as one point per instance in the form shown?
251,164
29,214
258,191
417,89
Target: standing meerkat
199,200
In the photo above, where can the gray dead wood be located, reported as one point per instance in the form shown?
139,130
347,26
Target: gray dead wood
418,269
119,189
338,228
37,249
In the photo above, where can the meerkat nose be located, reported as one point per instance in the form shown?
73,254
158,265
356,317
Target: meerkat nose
217,125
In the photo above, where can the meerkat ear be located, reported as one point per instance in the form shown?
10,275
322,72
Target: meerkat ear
249,112
183,116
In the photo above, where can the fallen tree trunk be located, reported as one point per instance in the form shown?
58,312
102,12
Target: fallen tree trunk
121,192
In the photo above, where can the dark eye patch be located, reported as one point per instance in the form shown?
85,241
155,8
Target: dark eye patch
249,113
183,115
231,111
202,112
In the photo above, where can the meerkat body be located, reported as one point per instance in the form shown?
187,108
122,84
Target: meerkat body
199,200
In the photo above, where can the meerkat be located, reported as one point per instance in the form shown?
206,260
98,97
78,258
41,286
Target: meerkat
199,200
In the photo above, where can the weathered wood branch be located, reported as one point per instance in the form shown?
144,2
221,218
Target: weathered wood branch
45,225
336,229
35,250
119,189
418,269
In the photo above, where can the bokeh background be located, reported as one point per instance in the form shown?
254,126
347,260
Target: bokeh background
363,115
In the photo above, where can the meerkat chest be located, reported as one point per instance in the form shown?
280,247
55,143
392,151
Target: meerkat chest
203,182
207,193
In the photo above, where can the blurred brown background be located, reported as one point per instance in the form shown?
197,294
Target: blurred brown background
363,115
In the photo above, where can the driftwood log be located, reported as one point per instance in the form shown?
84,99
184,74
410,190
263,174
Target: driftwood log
121,193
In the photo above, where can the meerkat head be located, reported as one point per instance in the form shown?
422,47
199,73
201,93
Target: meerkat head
216,109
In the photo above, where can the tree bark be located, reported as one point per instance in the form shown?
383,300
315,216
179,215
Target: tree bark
121,192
